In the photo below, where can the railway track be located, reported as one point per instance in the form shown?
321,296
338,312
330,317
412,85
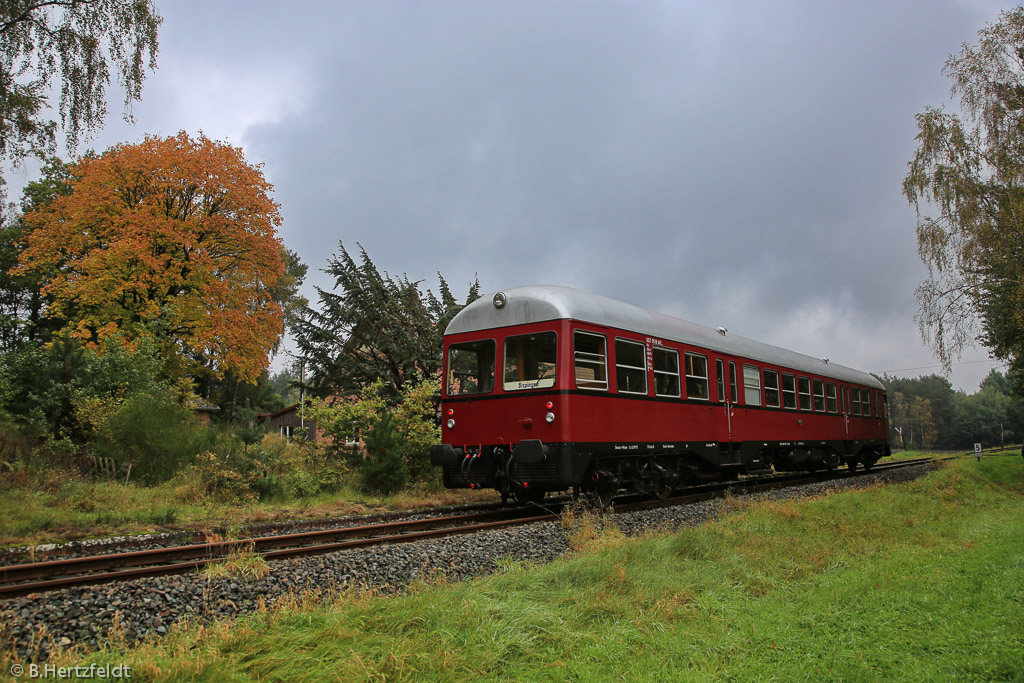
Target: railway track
36,577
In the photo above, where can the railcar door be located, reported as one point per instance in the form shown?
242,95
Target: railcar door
727,433
845,391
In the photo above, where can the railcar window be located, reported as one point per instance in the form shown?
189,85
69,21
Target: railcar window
666,372
819,396
471,368
732,382
630,367
751,385
856,401
720,375
788,391
865,401
805,393
591,361
530,361
830,397
697,377
878,404
771,388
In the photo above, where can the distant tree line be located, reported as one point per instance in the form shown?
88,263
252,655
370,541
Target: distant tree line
927,413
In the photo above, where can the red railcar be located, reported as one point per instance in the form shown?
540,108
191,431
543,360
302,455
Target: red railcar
550,388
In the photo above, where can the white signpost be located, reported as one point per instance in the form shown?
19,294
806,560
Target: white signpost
977,451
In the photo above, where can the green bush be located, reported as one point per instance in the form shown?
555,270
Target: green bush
154,435
218,476
412,418
383,470
65,391
273,469
303,483
330,473
269,487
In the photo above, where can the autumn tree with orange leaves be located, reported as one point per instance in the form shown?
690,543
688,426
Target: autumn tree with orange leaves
173,239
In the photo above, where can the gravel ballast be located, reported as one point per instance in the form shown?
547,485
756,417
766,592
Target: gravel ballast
34,625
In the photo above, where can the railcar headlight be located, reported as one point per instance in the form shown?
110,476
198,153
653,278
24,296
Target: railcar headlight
451,424
550,417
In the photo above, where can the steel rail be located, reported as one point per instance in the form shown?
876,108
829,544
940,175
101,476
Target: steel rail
75,571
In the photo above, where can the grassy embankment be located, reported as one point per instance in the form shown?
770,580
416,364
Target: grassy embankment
921,581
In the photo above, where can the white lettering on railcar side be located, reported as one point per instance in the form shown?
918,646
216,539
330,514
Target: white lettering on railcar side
651,343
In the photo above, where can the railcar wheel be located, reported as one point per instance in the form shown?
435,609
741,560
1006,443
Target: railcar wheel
603,496
603,488
868,464
852,464
662,491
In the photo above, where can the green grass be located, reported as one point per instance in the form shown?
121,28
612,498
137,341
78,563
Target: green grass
921,581
58,505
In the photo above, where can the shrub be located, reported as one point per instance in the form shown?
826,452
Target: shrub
154,435
412,418
63,391
218,477
269,487
383,470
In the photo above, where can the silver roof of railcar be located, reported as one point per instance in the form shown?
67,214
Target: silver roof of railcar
540,303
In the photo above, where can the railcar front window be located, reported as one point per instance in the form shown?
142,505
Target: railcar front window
591,361
697,377
666,372
865,399
471,368
630,367
530,362
856,401
751,385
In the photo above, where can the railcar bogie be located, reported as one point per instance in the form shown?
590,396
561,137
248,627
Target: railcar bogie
550,389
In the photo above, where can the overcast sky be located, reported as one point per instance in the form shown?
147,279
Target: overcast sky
731,163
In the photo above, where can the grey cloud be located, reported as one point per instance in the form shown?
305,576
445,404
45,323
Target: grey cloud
736,160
